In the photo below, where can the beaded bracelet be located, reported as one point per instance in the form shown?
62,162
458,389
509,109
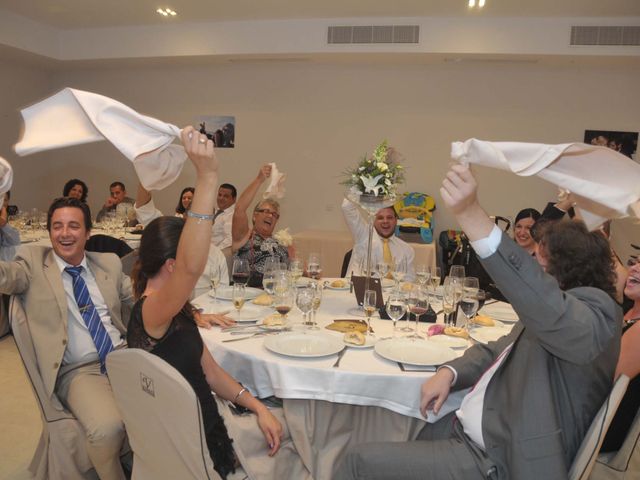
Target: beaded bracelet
200,216
242,390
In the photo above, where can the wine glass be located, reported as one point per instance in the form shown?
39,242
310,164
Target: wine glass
240,271
317,300
313,266
435,278
295,268
396,307
215,274
422,274
304,301
418,304
269,274
283,302
238,296
457,271
383,269
399,271
469,300
449,302
369,304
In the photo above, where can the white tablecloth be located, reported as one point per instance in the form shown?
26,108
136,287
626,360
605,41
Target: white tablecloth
41,238
363,377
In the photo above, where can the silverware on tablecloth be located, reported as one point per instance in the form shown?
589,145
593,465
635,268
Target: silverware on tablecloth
431,368
340,355
257,334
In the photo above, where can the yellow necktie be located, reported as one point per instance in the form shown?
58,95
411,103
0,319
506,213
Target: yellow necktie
386,256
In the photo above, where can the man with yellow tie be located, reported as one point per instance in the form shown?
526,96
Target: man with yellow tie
385,247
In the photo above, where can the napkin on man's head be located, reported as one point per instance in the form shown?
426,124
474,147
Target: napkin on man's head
276,186
6,179
605,184
74,117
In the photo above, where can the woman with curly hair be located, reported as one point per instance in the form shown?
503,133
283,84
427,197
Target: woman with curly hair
76,188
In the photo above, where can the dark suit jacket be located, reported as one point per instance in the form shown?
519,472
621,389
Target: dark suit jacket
540,402
35,276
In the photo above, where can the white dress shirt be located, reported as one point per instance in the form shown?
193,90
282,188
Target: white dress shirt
221,234
400,250
80,346
472,406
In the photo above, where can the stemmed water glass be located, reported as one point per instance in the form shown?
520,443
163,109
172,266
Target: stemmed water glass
399,271
317,300
215,275
304,301
382,269
423,274
240,271
418,305
449,300
295,269
238,296
469,301
396,307
313,266
434,277
269,274
370,306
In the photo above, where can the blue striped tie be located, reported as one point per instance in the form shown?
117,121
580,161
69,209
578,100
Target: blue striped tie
90,315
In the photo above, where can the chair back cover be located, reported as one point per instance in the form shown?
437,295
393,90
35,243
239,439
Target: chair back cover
106,244
588,451
61,450
162,416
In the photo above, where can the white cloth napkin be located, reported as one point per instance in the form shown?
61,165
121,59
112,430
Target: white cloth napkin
74,117
6,179
276,186
605,184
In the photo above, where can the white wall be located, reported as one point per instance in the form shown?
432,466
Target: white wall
316,119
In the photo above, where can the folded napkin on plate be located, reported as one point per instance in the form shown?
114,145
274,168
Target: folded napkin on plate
276,186
74,117
6,179
605,184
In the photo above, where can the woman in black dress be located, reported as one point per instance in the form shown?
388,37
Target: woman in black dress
173,253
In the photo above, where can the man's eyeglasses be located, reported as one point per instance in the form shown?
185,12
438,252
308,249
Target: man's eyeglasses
266,211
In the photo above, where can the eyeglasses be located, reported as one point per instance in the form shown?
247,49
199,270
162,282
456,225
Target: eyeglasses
266,211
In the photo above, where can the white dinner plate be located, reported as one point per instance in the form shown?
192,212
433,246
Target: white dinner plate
327,282
488,334
500,311
304,344
249,313
225,292
449,341
414,352
369,341
273,328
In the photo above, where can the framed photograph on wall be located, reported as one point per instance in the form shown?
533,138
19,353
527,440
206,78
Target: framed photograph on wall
219,128
623,142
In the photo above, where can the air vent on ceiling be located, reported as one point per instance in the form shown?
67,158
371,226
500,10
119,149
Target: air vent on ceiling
616,36
374,34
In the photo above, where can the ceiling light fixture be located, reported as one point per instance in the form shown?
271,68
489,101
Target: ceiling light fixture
472,3
166,12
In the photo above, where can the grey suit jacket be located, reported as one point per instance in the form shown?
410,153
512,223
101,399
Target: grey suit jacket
35,276
540,403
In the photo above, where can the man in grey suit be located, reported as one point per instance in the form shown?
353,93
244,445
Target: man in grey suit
73,303
535,391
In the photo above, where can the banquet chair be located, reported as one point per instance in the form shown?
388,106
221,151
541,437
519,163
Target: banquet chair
105,243
623,464
162,416
587,453
61,450
128,261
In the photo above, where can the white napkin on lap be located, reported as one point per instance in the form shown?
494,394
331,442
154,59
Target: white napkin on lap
605,184
276,186
74,117
6,179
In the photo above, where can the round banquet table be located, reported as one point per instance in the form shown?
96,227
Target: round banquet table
367,398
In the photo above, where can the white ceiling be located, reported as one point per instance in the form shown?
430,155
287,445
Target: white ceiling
77,14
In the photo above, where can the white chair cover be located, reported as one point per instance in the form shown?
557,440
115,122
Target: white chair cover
588,451
61,451
623,464
6,179
604,183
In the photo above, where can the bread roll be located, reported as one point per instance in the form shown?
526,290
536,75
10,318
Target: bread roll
263,299
456,332
273,321
484,321
338,284
355,338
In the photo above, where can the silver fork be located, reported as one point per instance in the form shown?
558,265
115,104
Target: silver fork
340,355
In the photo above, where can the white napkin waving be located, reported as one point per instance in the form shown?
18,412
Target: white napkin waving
74,117
6,179
605,184
276,186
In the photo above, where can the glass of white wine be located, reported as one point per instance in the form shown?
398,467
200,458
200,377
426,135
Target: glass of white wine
238,296
434,278
317,300
449,300
215,275
369,304
295,269
396,308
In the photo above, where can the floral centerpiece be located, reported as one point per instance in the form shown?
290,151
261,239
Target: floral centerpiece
377,176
